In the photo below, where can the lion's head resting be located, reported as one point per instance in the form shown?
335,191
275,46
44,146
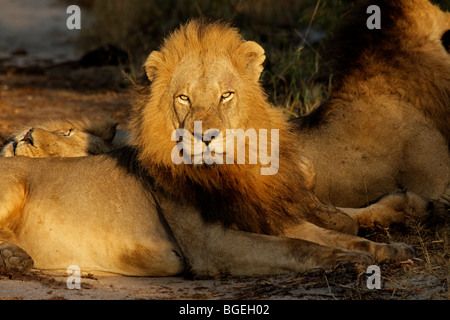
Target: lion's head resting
64,138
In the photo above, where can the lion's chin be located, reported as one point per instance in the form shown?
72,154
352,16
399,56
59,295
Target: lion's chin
204,165
206,159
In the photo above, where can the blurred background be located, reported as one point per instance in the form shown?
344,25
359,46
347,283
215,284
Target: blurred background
117,35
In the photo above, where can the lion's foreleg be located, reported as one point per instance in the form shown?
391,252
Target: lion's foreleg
393,208
224,251
333,218
380,251
212,250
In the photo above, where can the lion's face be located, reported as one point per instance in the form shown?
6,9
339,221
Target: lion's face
204,84
205,98
204,88
206,91
62,139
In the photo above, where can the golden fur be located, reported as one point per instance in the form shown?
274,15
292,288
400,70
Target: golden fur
386,125
134,212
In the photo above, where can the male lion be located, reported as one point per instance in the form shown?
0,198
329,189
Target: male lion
386,126
135,212
382,130
66,138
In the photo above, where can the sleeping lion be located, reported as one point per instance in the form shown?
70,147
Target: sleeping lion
66,138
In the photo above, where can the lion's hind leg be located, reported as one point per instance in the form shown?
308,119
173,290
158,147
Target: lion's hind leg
331,238
393,208
12,199
445,197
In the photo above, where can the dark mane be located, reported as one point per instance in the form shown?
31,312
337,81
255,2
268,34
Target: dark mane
352,39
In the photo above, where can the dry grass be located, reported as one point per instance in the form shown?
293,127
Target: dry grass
428,274
286,29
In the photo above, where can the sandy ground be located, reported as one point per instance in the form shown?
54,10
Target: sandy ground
41,285
340,284
29,99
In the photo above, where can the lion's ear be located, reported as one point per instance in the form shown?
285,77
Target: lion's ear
255,57
152,63
111,132
104,127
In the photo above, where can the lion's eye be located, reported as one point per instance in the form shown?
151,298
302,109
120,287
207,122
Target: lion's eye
68,133
227,96
183,99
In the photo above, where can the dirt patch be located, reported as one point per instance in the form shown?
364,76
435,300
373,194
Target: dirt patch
29,99
339,284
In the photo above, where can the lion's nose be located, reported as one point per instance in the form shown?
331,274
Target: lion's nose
28,137
210,135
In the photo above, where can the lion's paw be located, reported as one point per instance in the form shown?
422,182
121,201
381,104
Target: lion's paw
14,258
394,208
394,252
357,258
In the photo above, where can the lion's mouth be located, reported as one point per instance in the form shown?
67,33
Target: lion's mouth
210,150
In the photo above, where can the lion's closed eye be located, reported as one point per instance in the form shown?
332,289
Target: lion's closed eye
65,133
